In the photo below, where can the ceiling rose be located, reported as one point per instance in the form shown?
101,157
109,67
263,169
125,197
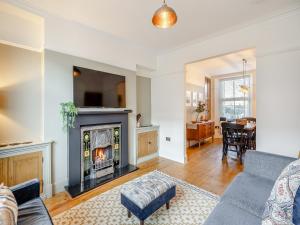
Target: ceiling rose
164,17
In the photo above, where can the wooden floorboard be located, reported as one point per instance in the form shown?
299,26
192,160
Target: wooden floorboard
204,168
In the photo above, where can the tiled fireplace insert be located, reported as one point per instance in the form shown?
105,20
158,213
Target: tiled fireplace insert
100,150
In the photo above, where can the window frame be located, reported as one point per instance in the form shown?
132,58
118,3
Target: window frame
234,99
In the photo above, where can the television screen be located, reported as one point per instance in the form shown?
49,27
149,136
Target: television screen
93,88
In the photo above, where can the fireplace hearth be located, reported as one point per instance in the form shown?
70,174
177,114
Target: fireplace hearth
98,150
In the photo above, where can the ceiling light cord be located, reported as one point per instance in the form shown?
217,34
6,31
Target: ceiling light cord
244,70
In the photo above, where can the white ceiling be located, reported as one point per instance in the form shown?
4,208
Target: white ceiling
131,19
226,64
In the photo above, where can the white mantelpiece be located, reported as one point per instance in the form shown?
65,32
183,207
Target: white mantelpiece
45,148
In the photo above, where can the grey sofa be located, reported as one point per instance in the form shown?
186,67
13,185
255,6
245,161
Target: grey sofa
243,202
31,209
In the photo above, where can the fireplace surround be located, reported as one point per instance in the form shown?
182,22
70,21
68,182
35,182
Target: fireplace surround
98,149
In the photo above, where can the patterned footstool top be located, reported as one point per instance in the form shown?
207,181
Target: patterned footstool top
144,190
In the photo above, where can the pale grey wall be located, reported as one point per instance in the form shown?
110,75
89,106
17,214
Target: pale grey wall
58,86
143,98
20,95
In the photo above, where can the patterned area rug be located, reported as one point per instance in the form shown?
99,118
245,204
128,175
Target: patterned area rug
191,205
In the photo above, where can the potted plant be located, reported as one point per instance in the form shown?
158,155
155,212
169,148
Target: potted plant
201,107
68,112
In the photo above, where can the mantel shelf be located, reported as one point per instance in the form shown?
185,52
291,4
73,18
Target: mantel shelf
93,111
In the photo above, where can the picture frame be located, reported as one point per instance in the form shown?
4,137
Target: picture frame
200,96
188,98
195,98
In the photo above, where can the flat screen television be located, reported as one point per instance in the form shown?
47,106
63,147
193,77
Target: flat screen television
93,88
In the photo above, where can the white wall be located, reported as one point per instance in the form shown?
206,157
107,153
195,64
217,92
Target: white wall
278,103
20,28
271,38
168,95
143,99
78,40
20,95
29,28
58,87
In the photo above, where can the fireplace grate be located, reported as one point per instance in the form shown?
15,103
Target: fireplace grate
98,165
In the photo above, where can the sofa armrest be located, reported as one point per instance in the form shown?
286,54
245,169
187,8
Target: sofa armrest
26,191
265,165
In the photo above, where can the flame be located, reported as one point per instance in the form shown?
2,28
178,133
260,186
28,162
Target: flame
100,154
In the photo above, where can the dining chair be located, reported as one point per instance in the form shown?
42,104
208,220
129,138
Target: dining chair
251,136
233,137
250,119
252,140
223,119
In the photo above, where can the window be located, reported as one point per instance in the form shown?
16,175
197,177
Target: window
234,103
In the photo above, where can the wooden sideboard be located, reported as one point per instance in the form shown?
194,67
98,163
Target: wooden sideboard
200,131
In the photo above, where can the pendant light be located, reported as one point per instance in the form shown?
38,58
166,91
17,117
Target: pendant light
164,17
244,88
76,72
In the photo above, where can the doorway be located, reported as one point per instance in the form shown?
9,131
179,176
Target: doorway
213,89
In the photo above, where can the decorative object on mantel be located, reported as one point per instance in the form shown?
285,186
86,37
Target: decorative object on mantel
68,112
201,107
164,17
138,119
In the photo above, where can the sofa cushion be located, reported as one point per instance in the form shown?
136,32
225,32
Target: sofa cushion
8,207
228,214
249,192
279,207
34,212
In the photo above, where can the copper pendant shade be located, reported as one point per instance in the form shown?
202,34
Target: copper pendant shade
164,17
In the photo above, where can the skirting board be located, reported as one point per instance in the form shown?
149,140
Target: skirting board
59,186
146,158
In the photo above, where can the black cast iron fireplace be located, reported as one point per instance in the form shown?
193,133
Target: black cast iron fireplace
98,150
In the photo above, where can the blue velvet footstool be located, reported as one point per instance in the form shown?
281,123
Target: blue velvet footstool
143,196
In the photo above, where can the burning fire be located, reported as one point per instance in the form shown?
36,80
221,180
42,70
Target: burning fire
100,154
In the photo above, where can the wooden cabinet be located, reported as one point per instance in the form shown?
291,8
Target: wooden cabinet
143,144
147,143
152,142
21,168
4,171
200,131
